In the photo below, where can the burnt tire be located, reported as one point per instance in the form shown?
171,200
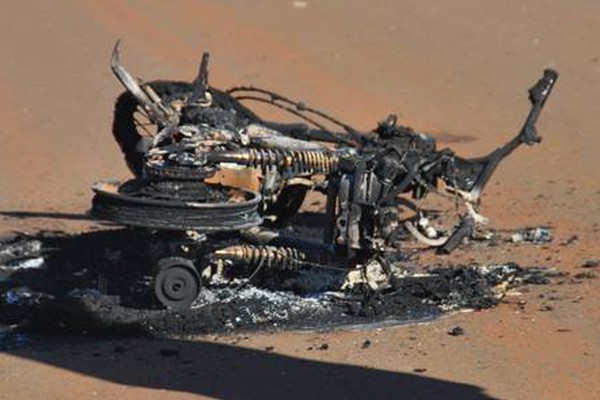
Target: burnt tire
177,283
219,208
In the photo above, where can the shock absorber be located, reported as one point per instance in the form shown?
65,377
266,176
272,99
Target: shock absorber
298,161
273,257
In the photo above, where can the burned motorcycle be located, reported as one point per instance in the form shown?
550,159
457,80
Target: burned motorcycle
177,137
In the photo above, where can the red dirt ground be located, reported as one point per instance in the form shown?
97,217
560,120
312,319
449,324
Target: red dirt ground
457,69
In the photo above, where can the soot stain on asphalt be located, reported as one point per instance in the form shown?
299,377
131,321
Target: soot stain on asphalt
100,282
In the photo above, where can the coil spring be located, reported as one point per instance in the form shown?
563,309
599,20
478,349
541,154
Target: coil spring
274,257
299,161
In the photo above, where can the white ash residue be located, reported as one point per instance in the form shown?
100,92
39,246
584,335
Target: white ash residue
258,306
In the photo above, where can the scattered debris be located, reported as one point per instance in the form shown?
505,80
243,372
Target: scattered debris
533,235
366,344
586,275
36,262
324,346
19,252
591,263
456,331
571,240
420,370
17,247
541,276
577,299
24,296
546,307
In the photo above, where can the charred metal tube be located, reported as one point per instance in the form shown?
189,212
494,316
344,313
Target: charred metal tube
200,83
465,229
538,94
148,100
481,169
299,161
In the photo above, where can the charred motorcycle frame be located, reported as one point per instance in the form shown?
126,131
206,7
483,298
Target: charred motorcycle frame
176,136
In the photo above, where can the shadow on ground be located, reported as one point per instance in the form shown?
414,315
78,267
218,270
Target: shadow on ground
44,214
232,372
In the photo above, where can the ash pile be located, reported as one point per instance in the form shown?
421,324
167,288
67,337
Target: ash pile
95,282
